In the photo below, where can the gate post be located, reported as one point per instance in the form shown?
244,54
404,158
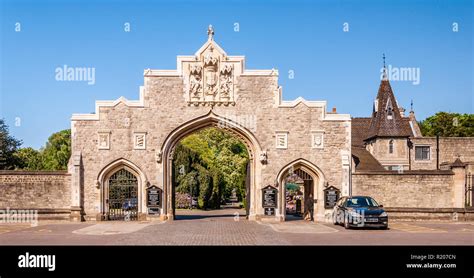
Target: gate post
459,182
76,188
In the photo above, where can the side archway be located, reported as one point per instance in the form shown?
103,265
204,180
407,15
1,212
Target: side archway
318,185
209,120
134,173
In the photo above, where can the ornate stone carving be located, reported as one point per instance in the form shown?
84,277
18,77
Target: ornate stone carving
104,140
226,82
195,79
211,63
210,76
263,157
317,139
158,156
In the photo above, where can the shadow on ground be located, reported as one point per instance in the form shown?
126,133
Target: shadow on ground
212,214
204,216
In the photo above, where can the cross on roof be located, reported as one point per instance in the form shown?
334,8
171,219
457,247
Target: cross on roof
210,32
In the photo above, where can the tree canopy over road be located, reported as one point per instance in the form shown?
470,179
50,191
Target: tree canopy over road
210,164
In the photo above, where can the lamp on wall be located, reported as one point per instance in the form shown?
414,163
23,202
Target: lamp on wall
410,146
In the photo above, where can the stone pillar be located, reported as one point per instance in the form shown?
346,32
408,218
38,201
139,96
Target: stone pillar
345,181
256,168
169,188
76,188
459,182
160,178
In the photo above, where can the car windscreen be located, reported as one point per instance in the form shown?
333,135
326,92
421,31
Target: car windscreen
361,202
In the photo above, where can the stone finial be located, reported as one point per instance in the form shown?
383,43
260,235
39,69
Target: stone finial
210,32
402,111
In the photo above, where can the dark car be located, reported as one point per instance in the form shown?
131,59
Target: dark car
130,204
359,211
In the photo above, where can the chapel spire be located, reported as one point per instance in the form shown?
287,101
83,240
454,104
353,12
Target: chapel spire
386,119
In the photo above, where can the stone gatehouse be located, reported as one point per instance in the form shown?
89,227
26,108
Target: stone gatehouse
209,88
128,146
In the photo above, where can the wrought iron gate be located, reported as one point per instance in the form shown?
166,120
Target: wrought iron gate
123,196
469,192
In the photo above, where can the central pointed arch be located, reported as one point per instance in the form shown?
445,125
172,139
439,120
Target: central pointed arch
209,120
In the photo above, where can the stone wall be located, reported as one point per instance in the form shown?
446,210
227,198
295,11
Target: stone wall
422,214
413,189
449,149
48,191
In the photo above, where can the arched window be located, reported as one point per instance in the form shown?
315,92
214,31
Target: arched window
390,146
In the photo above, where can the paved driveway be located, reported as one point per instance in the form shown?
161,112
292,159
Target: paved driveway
227,227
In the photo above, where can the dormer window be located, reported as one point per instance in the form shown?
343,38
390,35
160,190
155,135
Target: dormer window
390,114
389,110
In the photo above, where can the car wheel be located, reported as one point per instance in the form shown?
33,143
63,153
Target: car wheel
334,219
346,224
385,227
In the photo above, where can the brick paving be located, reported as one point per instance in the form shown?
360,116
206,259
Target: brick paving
207,231
221,228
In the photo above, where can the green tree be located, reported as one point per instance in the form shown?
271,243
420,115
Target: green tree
57,151
8,147
29,159
210,163
448,125
205,186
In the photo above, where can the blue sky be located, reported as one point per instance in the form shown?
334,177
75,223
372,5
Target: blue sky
305,37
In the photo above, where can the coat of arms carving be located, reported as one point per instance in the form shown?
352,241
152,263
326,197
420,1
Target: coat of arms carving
210,76
210,73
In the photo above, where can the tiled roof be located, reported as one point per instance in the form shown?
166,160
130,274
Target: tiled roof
380,124
364,161
360,129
